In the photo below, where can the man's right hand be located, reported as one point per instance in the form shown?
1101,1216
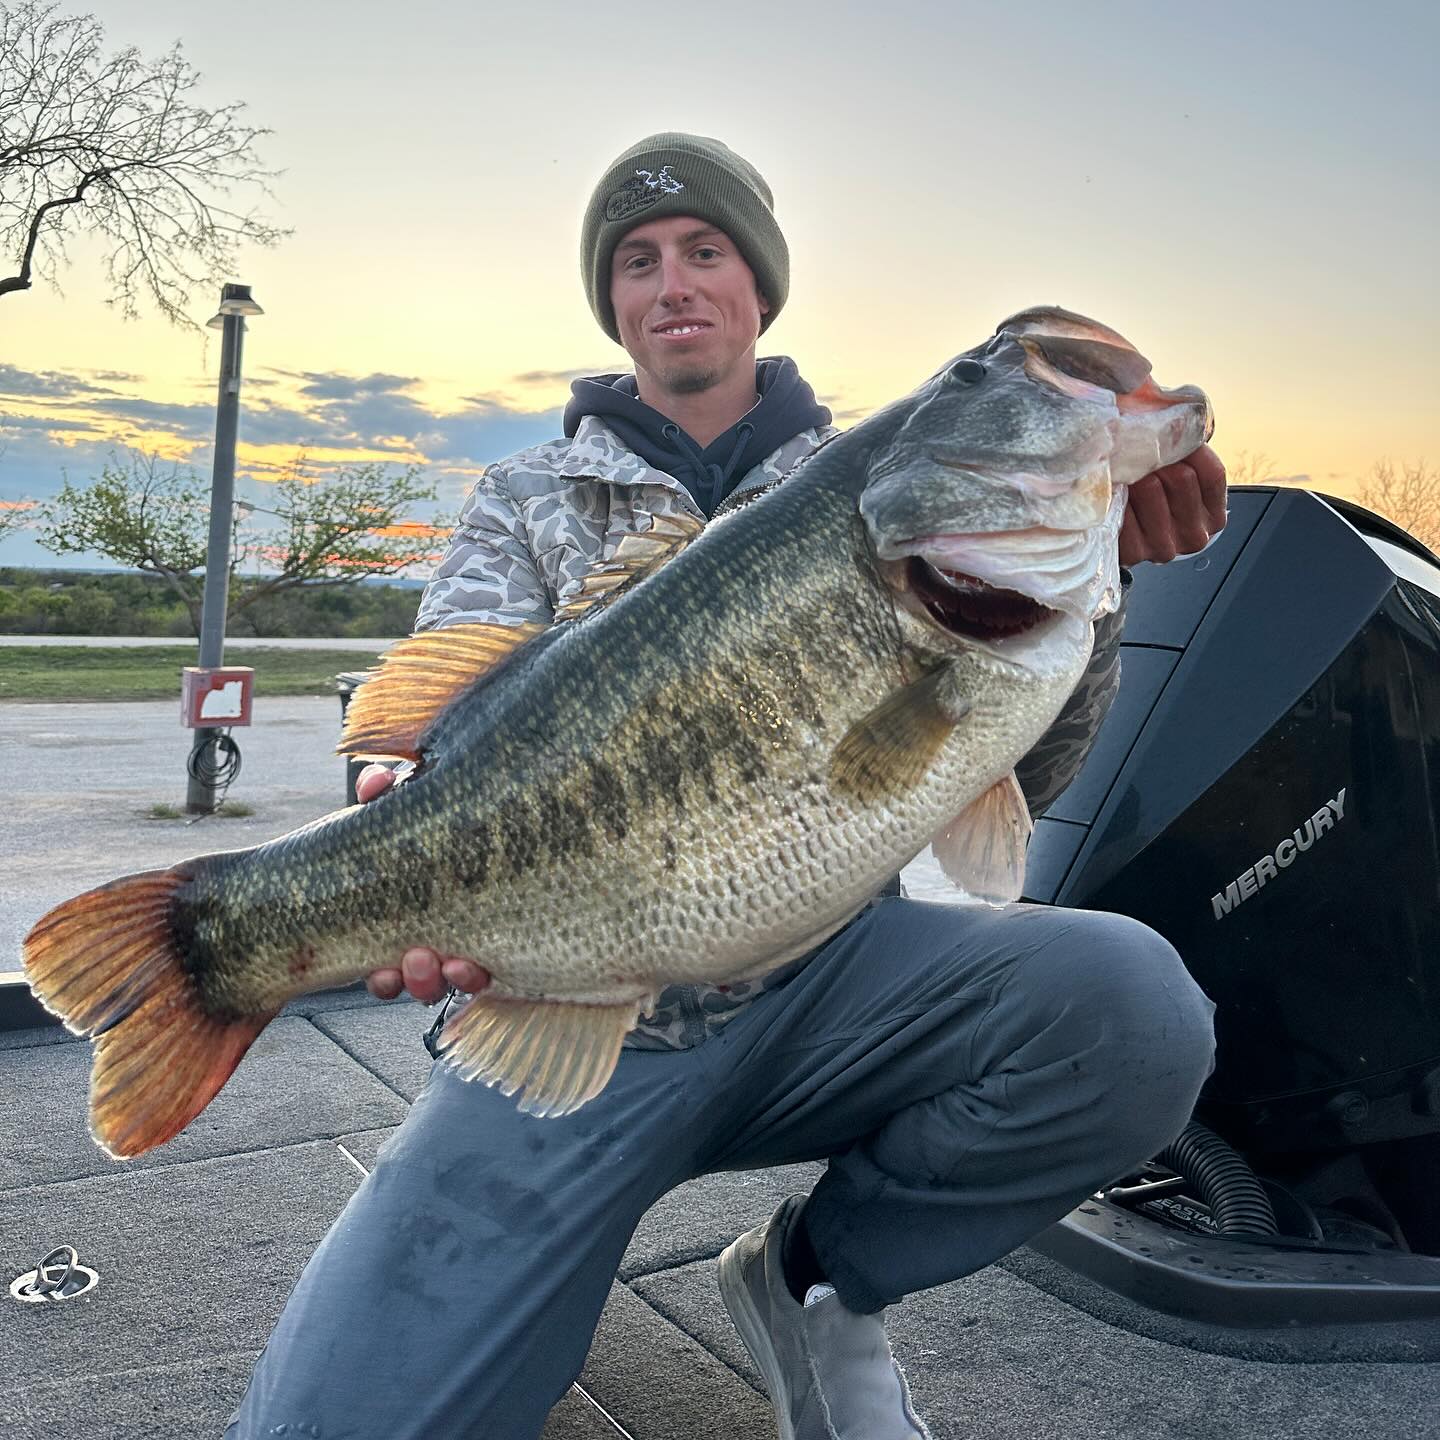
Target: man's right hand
425,973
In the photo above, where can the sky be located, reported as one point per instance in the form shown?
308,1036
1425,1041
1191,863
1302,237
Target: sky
1250,192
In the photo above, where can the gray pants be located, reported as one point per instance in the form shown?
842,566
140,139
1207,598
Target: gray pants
969,1074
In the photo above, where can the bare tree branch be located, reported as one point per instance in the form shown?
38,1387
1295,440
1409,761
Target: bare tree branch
113,145
1409,495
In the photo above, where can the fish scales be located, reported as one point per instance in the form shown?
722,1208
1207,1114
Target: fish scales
703,776
521,856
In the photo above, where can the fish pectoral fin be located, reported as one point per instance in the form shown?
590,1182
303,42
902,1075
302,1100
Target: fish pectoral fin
889,751
635,557
982,850
560,1053
417,678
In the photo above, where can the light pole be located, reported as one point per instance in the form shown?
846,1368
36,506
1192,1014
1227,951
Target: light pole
235,304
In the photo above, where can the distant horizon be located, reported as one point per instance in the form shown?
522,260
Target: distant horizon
402,582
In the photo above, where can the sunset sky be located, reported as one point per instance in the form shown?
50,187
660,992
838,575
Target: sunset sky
1248,191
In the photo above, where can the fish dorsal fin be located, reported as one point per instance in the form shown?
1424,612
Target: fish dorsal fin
982,850
635,557
418,678
889,751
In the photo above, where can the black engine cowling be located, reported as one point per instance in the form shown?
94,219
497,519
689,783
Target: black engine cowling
1264,794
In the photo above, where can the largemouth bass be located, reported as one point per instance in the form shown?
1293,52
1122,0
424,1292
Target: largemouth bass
694,778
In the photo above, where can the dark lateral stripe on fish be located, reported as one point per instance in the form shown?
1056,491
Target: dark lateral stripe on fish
107,962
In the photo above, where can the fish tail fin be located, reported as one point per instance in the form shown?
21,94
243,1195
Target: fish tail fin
108,964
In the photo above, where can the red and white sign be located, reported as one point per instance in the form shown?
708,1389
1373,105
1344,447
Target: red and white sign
216,697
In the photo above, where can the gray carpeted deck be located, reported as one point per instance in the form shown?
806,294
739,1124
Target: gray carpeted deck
197,1245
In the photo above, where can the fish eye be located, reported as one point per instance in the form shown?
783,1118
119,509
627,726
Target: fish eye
967,371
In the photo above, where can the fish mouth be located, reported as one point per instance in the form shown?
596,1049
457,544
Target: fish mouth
968,606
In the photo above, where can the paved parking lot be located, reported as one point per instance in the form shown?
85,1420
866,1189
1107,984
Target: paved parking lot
80,779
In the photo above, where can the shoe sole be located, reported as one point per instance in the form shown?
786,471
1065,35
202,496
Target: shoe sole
748,1321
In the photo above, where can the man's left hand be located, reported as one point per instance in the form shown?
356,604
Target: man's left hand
1174,510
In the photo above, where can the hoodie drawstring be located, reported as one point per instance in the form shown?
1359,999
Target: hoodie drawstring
717,476
786,407
743,433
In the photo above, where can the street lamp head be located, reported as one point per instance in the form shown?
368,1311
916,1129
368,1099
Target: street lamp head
234,300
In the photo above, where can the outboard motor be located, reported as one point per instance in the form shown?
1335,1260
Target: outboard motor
1264,793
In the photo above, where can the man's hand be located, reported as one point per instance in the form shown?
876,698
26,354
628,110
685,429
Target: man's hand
423,972
1174,510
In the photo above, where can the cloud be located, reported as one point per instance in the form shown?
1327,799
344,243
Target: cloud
41,424
71,426
49,384
187,421
344,411
335,386
33,466
487,430
269,424
843,412
562,377
376,412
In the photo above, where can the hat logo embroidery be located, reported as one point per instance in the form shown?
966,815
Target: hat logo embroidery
644,189
663,181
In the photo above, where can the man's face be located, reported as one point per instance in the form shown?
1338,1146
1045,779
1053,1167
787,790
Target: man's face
685,302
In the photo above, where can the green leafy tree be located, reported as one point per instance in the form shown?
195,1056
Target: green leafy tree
332,530
113,145
13,515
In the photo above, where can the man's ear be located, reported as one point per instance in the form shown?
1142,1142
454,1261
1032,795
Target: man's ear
763,303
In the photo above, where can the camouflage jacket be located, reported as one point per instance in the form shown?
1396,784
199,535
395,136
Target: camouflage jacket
536,523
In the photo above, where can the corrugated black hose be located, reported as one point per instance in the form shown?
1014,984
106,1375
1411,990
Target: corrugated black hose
1237,1201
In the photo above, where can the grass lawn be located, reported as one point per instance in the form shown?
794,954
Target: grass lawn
62,672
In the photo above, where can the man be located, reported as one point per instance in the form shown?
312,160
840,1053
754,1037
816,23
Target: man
969,1074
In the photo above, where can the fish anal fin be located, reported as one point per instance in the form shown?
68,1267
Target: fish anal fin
890,750
559,1053
417,678
106,962
635,557
982,850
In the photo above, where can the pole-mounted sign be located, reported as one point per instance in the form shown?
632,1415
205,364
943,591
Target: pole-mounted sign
235,304
219,697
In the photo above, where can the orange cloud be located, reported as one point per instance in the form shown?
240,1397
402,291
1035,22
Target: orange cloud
414,529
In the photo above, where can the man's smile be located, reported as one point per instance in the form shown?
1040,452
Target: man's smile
682,329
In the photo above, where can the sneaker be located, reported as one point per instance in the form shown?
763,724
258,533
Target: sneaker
829,1372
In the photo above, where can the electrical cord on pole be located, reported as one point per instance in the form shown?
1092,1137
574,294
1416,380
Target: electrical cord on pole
215,765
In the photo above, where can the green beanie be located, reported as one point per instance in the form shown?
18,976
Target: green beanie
677,174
